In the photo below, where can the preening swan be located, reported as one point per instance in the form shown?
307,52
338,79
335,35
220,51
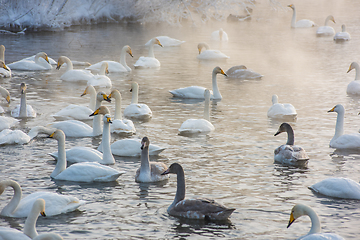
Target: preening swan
113,65
191,126
8,136
341,140
338,187
76,112
281,111
101,80
132,148
242,72
343,35
80,172
149,171
40,62
5,94
55,203
23,110
166,41
137,110
289,153
209,54
201,208
219,35
4,70
304,23
150,61
326,30
300,210
71,74
120,125
197,92
354,86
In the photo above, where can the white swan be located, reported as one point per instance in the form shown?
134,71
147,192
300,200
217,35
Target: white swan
40,62
341,140
101,80
300,210
338,187
23,110
132,148
76,112
343,35
5,94
201,208
137,110
87,154
150,61
8,136
113,65
149,171
55,203
11,234
80,172
75,128
242,72
354,86
120,125
191,126
4,70
197,92
304,23
281,110
7,122
166,41
209,54
71,74
326,30
219,35
289,153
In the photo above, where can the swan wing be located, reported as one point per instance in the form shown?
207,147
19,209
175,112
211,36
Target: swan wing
73,128
338,188
73,112
7,122
147,62
8,136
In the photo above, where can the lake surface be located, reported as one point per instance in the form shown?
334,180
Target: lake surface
234,164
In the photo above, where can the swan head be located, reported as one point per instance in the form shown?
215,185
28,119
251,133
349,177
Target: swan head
107,118
338,109
105,66
2,65
61,61
101,110
134,86
5,93
201,46
353,65
101,96
283,128
156,41
274,99
2,48
297,211
44,56
128,50
39,204
23,87
343,28
291,6
114,93
58,135
88,90
331,18
174,168
217,70
145,143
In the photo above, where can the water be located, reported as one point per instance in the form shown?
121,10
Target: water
234,164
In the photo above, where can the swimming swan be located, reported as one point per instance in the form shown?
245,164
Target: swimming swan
23,110
191,126
120,125
343,35
37,64
354,86
219,35
149,171
197,92
326,30
80,172
132,148
290,153
8,136
71,74
209,54
341,140
166,41
300,210
338,187
4,70
304,23
5,94
150,61
281,111
242,72
194,208
76,112
137,110
100,79
55,203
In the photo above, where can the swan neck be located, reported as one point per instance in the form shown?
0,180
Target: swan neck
2,54
134,97
61,161
151,50
123,58
69,65
30,223
207,109
97,121
180,189
290,135
315,221
108,158
92,103
293,19
118,108
23,112
357,72
216,92
339,128
327,20
145,162
102,69
15,200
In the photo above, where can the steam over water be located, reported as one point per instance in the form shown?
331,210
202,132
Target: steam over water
234,164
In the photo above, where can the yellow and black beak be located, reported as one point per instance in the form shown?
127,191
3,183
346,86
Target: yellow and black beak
6,68
47,59
292,219
58,66
8,98
83,94
43,213
52,135
332,110
223,73
106,98
130,53
94,113
108,119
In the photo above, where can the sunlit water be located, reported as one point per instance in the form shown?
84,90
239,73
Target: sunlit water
234,164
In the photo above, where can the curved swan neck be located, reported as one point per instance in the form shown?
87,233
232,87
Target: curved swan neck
151,50
339,128
30,222
102,70
23,107
39,129
14,202
4,93
92,93
2,53
293,19
290,135
69,65
357,70
315,221
216,92
37,56
180,189
61,161
145,162
123,57
108,158
117,97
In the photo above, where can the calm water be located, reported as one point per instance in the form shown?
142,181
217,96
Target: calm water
234,164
